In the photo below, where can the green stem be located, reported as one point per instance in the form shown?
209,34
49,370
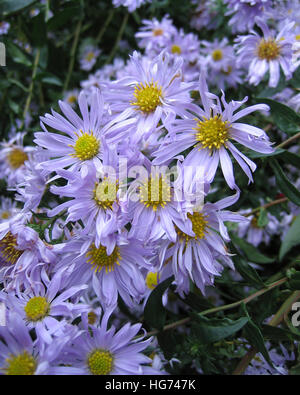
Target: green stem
73,53
288,141
267,205
222,308
119,37
30,91
105,26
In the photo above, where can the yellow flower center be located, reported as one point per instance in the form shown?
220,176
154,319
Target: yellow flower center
228,71
217,55
72,99
5,215
21,365
147,96
176,49
157,32
86,146
298,37
155,192
199,226
16,158
37,308
99,259
105,193
90,56
100,362
212,133
254,223
8,250
92,318
268,50
152,280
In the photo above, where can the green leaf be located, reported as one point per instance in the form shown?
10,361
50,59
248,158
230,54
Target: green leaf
278,334
294,282
291,158
154,313
262,220
285,118
248,273
251,252
254,335
292,238
17,55
284,183
214,329
10,6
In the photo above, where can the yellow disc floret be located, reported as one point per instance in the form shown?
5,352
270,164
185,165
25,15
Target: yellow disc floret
268,49
217,55
8,249
20,365
99,259
155,192
152,280
37,308
199,226
212,133
105,193
86,146
100,362
147,96
16,158
176,49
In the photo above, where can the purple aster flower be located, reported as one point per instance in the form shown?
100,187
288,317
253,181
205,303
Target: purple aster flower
269,52
205,15
88,58
132,5
71,97
23,256
21,356
245,11
8,209
42,309
151,93
199,258
210,134
112,270
13,156
83,142
98,198
103,351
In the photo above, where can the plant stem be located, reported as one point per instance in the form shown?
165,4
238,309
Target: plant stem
30,91
288,141
221,308
119,37
276,320
267,205
105,26
73,53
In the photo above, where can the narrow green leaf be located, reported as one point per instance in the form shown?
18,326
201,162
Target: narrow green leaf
251,252
248,273
10,6
154,313
284,183
291,239
262,220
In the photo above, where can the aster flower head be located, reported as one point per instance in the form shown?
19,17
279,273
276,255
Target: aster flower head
244,13
113,270
205,15
20,355
13,155
210,134
98,198
8,209
71,97
81,141
152,92
4,27
269,52
89,57
103,351
132,5
200,257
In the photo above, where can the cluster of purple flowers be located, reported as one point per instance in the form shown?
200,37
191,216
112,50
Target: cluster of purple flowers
127,168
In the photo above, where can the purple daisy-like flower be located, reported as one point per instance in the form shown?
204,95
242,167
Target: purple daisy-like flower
42,309
98,198
89,57
4,27
269,52
112,270
244,13
132,5
83,142
153,92
103,351
210,134
201,257
22,356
